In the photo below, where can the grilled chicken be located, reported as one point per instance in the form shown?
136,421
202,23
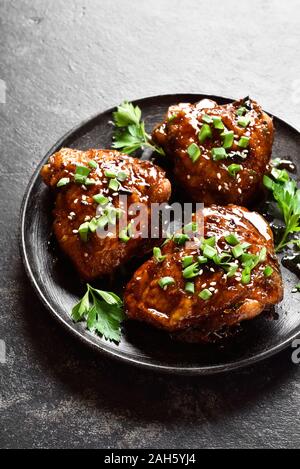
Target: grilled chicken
77,176
216,269
219,152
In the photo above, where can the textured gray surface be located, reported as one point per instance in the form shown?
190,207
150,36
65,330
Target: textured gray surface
63,61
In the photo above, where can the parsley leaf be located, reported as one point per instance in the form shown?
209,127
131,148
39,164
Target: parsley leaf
130,134
287,196
103,312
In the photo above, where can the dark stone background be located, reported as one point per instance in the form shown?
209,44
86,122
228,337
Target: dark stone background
63,61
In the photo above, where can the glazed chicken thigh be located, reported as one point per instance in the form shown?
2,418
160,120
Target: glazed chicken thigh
88,185
219,152
194,291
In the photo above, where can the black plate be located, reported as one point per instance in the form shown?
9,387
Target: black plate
59,287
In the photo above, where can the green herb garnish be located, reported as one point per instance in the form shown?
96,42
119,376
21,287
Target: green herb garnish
130,134
103,312
287,196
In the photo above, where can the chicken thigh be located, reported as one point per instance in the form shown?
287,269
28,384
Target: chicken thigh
194,291
219,152
88,185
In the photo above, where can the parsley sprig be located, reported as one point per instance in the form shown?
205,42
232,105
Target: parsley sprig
130,134
103,312
287,195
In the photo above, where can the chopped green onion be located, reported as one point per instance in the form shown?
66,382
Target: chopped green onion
237,251
93,164
232,239
157,255
187,260
172,117
83,231
190,227
114,185
189,287
246,275
165,281
82,170
89,181
63,182
249,260
243,121
233,169
241,111
102,222
205,294
243,141
194,152
230,269
218,124
122,176
180,238
209,251
79,178
201,260
210,241
109,174
123,235
222,258
204,133
93,225
280,175
100,199
246,245
219,153
228,138
206,118
268,271
191,271
262,255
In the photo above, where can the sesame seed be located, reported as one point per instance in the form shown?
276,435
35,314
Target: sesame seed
75,201
86,254
211,289
239,190
213,283
87,218
219,187
75,231
219,175
211,269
